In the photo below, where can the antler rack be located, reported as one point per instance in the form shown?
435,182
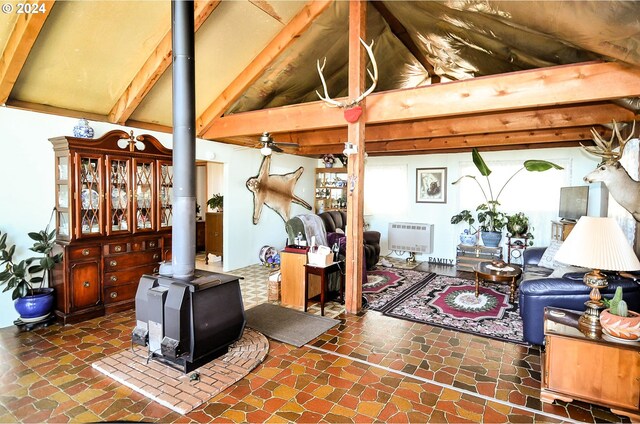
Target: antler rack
604,148
373,75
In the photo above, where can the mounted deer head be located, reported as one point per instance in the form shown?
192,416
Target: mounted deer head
624,189
373,75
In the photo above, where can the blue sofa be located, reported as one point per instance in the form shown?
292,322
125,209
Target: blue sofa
568,292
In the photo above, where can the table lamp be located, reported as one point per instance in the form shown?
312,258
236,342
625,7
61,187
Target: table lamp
600,244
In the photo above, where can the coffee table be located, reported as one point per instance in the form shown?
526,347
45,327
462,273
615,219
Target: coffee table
487,272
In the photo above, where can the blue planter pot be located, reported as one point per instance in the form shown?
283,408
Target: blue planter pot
468,239
491,238
38,305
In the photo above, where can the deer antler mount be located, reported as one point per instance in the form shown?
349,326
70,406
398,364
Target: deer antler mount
352,109
605,148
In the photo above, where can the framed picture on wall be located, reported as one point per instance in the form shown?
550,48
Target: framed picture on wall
431,185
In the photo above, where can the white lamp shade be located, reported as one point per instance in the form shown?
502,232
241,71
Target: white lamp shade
598,243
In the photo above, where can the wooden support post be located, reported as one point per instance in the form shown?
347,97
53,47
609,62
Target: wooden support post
355,167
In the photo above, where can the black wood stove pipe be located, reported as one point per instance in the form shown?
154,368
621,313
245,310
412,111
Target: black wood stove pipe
184,139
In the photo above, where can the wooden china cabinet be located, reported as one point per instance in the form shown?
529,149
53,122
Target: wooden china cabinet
113,220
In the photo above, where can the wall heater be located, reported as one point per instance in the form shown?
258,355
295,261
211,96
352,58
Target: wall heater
411,237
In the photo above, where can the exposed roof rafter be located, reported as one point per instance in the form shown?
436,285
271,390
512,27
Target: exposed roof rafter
250,74
401,33
559,85
495,122
542,136
157,63
19,44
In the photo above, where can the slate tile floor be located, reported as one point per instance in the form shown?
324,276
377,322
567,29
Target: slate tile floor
370,368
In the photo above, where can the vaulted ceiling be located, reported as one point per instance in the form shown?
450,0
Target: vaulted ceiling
454,74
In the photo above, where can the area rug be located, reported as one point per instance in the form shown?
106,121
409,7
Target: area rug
381,279
184,392
287,325
406,279
450,302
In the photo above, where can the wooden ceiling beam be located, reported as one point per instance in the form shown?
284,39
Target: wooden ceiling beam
251,73
558,85
157,63
519,120
542,137
19,43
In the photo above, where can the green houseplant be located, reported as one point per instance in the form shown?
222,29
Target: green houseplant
215,203
617,320
469,235
492,221
29,278
518,226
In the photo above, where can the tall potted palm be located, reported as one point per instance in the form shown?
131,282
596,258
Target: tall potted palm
490,219
29,278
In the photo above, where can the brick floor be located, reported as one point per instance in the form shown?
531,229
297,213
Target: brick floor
175,390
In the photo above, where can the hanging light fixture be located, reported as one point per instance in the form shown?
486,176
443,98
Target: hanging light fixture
266,151
349,149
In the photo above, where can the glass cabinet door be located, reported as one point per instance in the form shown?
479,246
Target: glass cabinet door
166,194
63,225
143,179
119,195
89,202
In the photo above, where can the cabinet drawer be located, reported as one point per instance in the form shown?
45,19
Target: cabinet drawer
120,293
148,244
86,252
129,276
114,248
127,260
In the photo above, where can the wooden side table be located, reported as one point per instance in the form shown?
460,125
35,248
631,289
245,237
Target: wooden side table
510,275
323,273
589,367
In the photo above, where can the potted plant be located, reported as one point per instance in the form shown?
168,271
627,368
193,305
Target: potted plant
29,278
469,235
617,320
518,226
328,160
215,203
491,220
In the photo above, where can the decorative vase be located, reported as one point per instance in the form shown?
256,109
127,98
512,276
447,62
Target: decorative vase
38,305
328,165
627,328
82,129
491,238
468,239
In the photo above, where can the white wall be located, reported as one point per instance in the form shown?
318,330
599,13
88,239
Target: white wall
524,187
27,191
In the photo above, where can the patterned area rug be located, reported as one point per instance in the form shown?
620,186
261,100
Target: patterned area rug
380,279
450,302
406,280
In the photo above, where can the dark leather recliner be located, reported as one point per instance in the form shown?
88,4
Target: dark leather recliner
338,219
568,292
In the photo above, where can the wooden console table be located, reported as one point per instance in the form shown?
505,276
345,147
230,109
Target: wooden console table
593,368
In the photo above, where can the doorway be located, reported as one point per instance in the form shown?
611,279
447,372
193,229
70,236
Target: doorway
209,240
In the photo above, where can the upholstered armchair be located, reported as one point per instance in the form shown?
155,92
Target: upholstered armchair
334,220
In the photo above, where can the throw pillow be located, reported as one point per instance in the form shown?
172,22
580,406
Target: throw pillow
559,272
547,260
